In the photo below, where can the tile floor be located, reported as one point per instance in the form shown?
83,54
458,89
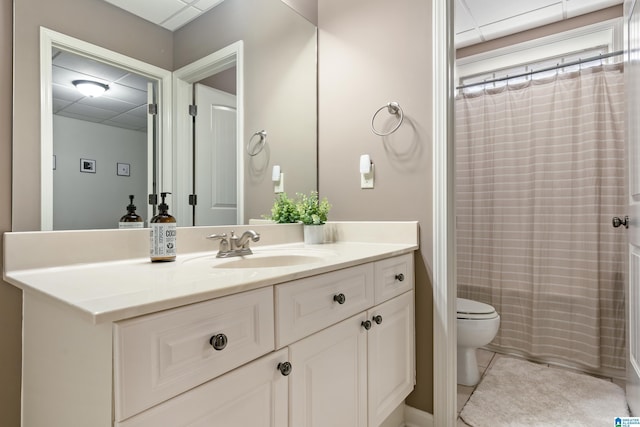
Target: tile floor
486,359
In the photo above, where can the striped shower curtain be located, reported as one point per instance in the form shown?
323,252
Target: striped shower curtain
540,173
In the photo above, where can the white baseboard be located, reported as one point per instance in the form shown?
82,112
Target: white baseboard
416,418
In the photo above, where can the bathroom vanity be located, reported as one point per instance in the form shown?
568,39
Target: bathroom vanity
293,335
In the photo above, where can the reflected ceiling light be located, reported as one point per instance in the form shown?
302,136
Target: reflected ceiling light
90,88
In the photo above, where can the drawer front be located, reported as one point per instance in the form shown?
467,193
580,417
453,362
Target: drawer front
394,276
253,395
161,355
309,305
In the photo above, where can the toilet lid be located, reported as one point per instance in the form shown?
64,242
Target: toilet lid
469,309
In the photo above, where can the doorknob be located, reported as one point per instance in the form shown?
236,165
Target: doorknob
617,222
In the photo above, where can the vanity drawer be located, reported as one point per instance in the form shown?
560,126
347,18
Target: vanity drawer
394,276
163,354
308,305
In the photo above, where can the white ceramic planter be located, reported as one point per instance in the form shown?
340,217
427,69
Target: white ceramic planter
313,234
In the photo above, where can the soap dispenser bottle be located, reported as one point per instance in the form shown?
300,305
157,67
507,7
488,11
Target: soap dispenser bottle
131,219
163,234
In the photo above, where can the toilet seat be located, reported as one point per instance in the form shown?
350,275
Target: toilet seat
474,310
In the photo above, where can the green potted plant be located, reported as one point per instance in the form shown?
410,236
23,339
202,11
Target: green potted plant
312,212
284,210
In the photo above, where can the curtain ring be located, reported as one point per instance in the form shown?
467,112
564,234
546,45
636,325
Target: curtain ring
258,146
393,108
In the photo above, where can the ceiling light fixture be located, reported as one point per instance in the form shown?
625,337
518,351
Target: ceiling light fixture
90,88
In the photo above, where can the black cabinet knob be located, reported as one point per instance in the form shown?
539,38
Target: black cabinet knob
400,277
285,368
377,318
366,324
339,298
219,341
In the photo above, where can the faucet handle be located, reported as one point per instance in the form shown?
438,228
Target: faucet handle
217,236
224,243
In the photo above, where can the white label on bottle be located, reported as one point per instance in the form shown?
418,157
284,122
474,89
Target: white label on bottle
163,239
131,224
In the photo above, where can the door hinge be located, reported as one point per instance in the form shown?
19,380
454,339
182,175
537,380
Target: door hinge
153,109
153,199
193,110
193,199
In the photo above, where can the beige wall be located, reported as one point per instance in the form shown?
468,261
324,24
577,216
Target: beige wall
546,30
10,297
94,21
372,52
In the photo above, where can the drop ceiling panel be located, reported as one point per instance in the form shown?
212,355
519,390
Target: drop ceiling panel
181,18
464,21
155,11
522,22
96,114
89,67
487,12
205,5
109,104
127,92
498,18
170,14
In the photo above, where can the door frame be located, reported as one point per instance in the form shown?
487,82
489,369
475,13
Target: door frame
183,80
444,278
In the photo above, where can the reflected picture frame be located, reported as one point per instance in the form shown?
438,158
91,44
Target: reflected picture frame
123,169
87,166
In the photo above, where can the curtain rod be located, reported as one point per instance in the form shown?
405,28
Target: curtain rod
542,70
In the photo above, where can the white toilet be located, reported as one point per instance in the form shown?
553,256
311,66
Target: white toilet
478,325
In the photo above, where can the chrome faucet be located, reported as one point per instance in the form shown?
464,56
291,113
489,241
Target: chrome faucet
234,245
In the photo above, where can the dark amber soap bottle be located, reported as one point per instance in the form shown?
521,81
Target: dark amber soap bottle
131,219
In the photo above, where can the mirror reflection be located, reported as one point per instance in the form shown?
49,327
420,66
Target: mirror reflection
279,83
100,141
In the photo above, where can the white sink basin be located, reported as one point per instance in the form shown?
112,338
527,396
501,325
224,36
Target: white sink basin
266,258
267,261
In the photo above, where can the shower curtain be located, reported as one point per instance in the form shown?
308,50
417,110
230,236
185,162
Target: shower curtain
540,172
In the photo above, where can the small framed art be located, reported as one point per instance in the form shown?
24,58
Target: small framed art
123,169
87,166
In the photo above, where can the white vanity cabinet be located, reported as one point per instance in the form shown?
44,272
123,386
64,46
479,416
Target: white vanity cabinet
222,361
356,372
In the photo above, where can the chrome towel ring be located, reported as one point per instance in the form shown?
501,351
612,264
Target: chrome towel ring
258,146
393,108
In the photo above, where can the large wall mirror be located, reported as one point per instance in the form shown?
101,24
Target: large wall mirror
268,83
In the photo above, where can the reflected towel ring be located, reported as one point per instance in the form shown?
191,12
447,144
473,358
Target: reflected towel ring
393,108
258,146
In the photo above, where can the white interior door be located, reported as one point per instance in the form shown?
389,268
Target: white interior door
632,75
216,157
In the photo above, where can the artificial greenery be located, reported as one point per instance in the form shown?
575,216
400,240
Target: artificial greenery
311,210
307,209
284,210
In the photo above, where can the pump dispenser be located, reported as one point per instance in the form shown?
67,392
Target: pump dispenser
163,234
131,219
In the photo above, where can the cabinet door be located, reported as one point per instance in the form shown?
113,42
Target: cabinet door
391,356
328,385
253,395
